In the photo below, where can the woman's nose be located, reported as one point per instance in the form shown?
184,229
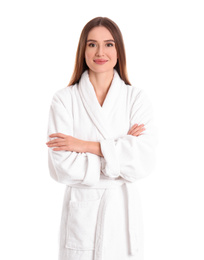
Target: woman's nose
100,51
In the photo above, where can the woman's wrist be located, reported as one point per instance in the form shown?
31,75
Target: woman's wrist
93,147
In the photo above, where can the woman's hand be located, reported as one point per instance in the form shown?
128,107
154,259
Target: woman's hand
136,130
66,143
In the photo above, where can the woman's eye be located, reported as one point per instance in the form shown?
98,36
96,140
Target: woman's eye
92,45
109,44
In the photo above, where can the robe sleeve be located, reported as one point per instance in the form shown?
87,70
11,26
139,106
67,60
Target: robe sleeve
66,166
130,157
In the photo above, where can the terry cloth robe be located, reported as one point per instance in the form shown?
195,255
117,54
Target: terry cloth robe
101,215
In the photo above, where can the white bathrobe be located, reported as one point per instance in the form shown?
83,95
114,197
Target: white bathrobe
101,216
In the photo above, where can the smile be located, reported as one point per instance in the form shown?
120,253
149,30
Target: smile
100,61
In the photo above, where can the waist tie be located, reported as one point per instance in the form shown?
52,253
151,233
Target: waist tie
132,225
100,224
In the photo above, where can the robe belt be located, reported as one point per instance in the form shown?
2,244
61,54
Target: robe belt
132,229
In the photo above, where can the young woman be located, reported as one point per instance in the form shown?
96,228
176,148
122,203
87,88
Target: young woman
101,141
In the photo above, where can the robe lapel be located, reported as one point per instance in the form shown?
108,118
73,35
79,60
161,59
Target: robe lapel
100,114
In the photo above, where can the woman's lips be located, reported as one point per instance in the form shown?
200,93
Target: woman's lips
100,61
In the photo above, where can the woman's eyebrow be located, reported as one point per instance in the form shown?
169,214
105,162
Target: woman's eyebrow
109,41
90,40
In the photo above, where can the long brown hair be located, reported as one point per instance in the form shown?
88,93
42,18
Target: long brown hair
80,63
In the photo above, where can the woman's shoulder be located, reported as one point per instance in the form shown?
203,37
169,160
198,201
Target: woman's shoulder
63,92
64,95
137,96
134,92
133,89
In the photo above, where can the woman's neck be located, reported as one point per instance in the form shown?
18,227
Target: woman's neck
101,83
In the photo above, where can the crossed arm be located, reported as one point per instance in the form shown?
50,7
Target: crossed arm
70,143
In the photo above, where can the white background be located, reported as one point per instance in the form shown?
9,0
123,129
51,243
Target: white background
165,56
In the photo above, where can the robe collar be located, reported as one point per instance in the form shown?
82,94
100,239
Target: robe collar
100,114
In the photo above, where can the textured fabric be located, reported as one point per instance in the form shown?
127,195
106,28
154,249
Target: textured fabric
92,181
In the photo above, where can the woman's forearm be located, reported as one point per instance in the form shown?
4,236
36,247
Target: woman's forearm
69,143
93,147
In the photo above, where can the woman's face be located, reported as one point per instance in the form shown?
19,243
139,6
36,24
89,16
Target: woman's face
100,52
